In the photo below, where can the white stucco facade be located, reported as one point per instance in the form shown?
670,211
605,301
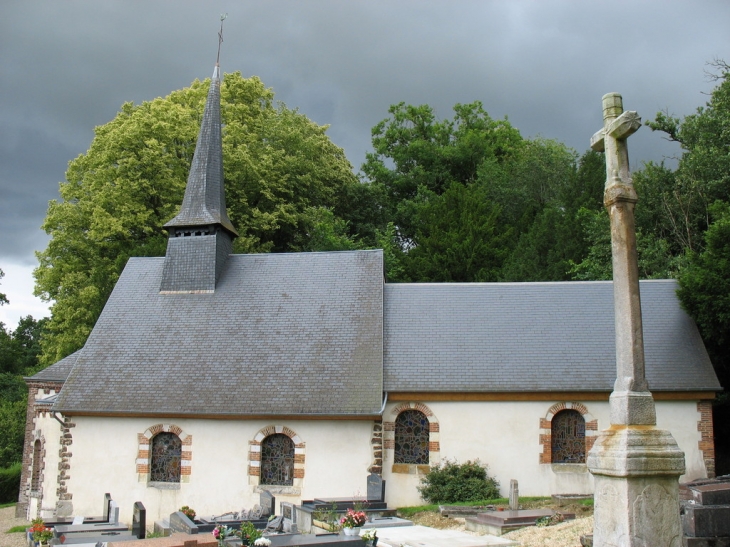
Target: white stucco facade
333,455
336,454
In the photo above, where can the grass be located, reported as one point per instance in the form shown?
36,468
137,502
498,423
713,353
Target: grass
16,529
10,504
406,512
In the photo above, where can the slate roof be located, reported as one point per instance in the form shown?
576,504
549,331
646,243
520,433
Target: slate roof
57,372
205,201
505,337
296,333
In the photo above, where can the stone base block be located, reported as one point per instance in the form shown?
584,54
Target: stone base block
706,542
706,521
497,523
632,408
711,494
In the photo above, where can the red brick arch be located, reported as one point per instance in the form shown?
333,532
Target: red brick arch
546,435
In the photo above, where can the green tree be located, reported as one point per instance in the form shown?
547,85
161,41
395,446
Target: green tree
415,153
3,298
12,424
457,237
548,191
324,232
278,167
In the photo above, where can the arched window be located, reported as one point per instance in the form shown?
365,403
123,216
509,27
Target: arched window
411,437
165,458
568,432
35,477
277,460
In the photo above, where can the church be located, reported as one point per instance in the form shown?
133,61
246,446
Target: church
210,377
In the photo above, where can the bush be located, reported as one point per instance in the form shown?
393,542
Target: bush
9,483
451,482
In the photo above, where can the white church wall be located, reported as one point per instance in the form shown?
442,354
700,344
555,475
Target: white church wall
506,436
48,430
106,450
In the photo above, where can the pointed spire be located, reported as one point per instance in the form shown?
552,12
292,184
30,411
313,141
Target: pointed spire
205,201
201,235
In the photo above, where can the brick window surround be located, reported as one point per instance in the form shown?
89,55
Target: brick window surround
143,453
434,444
254,461
546,436
706,443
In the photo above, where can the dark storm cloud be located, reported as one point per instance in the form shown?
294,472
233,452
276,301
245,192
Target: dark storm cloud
66,67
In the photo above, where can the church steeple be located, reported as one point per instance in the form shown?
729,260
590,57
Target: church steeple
205,202
201,235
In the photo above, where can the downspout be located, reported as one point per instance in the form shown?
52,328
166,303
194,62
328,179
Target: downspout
385,402
55,416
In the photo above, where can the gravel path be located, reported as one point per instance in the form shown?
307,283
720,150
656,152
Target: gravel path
7,521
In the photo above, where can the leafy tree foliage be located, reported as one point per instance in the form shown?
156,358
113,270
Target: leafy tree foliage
451,482
3,298
470,200
280,171
18,357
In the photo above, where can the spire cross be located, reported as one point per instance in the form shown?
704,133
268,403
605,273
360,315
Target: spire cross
220,39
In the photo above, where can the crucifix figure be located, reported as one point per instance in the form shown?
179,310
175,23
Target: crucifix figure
631,402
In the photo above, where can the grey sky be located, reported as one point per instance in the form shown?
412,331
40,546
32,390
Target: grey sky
66,67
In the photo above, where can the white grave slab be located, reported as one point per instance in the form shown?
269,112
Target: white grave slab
422,536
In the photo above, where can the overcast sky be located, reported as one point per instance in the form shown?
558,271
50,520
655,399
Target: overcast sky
66,67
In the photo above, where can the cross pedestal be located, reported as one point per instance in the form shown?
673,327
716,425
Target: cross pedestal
636,467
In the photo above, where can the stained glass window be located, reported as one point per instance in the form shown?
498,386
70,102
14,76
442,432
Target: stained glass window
277,460
35,478
166,456
411,437
568,437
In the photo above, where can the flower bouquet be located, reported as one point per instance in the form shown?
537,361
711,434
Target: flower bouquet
221,533
370,537
352,520
40,533
249,533
188,512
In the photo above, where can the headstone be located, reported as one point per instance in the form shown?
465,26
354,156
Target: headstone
636,466
113,512
376,488
289,518
139,520
275,525
179,522
268,504
105,509
514,495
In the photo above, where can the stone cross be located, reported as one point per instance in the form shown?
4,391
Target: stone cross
632,403
635,466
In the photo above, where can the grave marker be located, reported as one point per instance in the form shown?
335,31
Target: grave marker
636,466
139,520
376,488
514,495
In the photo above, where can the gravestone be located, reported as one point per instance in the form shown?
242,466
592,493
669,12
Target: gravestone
636,466
179,522
289,517
706,514
139,520
113,512
376,488
268,504
514,495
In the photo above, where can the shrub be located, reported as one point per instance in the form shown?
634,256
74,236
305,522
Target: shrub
451,482
10,483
